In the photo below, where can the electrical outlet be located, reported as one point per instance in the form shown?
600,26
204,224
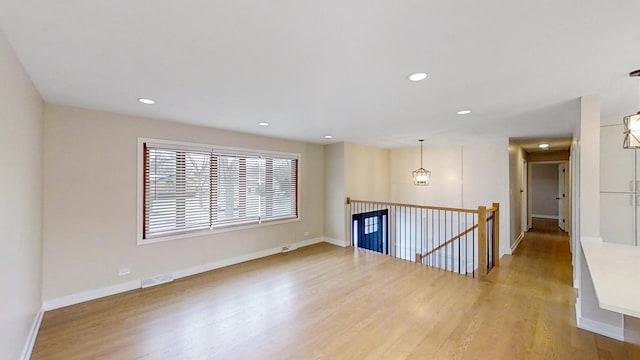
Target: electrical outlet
124,271
306,233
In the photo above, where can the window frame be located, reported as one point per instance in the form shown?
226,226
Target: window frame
140,178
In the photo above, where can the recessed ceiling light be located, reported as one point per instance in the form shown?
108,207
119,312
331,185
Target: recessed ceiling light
417,76
464,112
543,146
146,101
263,123
328,137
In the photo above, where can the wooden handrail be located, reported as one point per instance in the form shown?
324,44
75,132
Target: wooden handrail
349,201
449,241
487,256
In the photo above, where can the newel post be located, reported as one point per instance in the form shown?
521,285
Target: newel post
482,242
496,235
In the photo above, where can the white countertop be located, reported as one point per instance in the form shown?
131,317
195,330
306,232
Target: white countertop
615,271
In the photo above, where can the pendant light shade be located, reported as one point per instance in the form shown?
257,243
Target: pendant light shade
631,131
421,177
632,123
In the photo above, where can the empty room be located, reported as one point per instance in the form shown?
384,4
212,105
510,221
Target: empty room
319,180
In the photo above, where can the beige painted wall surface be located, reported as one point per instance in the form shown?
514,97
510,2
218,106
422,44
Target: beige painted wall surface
334,193
90,201
21,119
445,164
366,172
485,169
516,157
544,189
462,176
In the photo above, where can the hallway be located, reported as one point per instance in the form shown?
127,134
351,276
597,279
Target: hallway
327,302
534,287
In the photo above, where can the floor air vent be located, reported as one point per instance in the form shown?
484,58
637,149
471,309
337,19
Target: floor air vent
288,248
156,280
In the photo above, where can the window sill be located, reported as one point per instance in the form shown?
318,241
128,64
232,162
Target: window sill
214,231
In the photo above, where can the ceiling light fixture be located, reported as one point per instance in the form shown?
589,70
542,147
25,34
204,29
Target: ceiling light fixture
328,137
263,123
464,112
146,101
421,177
632,123
417,76
543,146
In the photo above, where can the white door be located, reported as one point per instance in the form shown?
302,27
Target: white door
562,168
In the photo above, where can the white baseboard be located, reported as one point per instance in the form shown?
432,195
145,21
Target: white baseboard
554,217
89,295
518,240
308,242
335,242
226,262
239,259
33,334
135,284
603,329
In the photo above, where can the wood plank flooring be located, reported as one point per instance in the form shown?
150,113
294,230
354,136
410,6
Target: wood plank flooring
326,302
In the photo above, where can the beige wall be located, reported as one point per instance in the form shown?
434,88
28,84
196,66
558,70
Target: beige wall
356,171
90,201
445,164
516,157
544,189
462,176
485,176
334,193
366,172
21,130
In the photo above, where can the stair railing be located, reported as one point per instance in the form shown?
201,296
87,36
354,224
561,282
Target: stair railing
464,241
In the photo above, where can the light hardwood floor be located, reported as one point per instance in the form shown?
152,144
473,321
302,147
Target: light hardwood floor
326,302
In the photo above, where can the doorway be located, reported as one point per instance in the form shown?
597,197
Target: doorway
371,231
548,192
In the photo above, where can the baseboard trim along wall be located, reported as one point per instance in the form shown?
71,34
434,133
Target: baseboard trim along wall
518,240
80,297
33,334
89,295
601,328
554,217
336,242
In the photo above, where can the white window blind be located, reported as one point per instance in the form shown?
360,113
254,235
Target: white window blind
194,189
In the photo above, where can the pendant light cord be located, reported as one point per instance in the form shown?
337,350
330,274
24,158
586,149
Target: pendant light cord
421,140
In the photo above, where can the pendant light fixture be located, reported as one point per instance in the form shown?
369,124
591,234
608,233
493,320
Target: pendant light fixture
421,177
632,124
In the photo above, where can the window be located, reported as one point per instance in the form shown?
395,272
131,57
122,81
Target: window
370,225
189,189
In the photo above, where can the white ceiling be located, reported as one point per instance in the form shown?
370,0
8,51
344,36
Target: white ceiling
336,67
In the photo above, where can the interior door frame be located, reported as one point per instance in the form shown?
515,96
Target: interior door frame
562,196
567,211
525,223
